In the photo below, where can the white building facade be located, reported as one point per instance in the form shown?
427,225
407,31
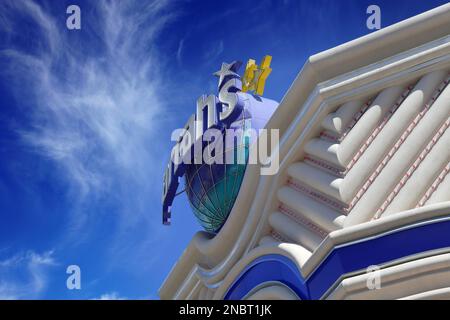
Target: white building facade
360,207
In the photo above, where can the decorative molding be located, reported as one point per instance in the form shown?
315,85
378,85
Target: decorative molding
303,221
396,146
434,186
377,130
413,168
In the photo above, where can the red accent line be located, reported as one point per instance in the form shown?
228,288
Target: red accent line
378,129
324,165
318,196
413,168
355,119
303,221
396,146
277,236
326,135
434,186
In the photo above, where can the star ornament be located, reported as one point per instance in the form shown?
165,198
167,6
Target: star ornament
228,69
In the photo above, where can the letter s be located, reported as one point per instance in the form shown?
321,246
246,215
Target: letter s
229,96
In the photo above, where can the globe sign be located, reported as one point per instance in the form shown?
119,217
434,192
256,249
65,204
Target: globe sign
212,189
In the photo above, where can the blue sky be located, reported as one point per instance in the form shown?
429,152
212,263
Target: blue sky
86,118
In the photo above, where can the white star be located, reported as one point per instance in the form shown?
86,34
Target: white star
227,69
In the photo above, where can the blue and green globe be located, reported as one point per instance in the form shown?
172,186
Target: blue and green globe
212,189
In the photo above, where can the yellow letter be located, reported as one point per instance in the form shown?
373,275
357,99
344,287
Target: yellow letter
255,76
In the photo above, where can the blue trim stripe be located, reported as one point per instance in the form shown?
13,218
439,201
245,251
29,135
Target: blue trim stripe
344,259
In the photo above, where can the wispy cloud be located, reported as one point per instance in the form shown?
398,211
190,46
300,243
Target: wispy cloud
93,104
25,275
180,51
214,51
92,98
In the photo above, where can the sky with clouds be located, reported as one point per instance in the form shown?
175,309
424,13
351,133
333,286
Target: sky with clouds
86,118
